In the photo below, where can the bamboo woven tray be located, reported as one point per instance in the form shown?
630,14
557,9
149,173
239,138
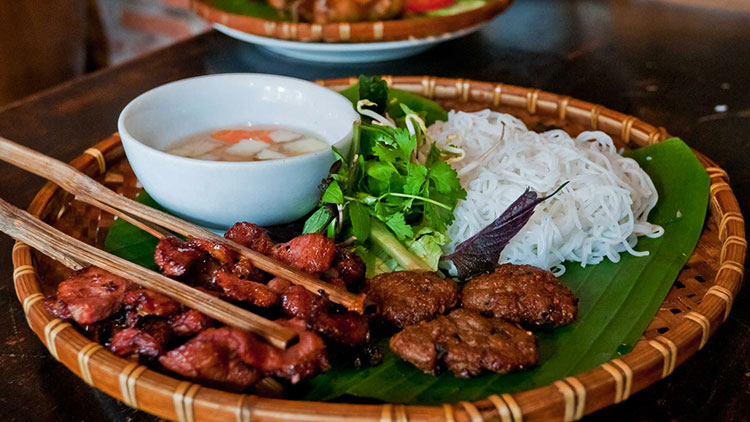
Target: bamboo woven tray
696,305
387,30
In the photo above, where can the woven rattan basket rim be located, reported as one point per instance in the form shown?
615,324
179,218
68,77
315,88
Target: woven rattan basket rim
377,31
564,400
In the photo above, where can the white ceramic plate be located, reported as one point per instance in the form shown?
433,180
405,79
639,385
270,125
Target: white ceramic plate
346,52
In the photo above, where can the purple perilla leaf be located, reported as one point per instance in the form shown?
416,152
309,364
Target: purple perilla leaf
481,252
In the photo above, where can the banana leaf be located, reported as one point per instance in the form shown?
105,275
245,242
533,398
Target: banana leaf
129,242
617,300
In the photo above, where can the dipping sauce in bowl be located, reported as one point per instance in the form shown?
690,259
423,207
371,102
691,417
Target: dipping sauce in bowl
240,143
190,144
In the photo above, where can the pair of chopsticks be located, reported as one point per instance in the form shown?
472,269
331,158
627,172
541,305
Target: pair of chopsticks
75,254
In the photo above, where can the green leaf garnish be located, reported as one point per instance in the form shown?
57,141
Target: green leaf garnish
331,230
383,179
333,195
360,219
374,89
398,226
318,220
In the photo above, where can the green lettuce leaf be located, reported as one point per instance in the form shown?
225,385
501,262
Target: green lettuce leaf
428,245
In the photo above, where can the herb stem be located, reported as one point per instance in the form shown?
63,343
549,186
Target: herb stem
403,195
384,238
422,198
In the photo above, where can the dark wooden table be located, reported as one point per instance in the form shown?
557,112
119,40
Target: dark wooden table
687,69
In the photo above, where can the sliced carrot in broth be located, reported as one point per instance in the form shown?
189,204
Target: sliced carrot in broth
235,135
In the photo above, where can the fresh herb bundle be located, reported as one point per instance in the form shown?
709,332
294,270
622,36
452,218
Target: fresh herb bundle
388,196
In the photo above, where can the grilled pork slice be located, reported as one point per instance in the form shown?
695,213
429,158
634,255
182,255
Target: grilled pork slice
312,253
146,302
245,290
344,327
88,295
147,341
251,236
175,257
213,358
234,359
190,323
347,270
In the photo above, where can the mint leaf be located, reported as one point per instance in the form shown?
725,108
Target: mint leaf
331,230
360,220
318,220
333,194
337,153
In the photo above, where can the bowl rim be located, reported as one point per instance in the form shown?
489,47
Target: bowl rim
127,138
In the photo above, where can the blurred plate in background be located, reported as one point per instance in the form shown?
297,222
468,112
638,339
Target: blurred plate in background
339,42
346,52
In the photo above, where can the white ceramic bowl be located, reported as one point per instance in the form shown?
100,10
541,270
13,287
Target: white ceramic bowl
218,194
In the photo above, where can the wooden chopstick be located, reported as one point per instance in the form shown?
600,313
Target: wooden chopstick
89,190
75,254
157,232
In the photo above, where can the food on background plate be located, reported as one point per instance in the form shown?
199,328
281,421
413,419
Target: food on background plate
258,143
325,11
329,11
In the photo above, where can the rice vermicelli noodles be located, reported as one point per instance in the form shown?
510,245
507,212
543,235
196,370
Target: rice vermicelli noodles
599,213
